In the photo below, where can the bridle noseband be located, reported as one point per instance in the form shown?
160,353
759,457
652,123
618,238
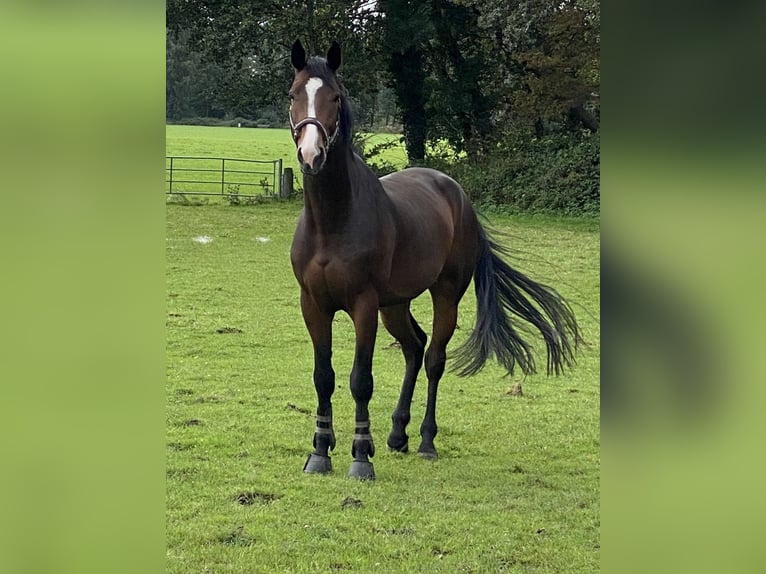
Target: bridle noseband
315,121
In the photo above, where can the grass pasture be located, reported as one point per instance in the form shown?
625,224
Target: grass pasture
516,488
263,144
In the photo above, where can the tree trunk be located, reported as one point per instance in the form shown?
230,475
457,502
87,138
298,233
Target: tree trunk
408,73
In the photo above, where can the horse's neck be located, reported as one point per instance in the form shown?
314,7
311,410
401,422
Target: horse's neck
331,196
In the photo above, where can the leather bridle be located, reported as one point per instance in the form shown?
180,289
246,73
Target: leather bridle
329,140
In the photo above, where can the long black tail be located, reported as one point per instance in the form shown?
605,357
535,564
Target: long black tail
501,290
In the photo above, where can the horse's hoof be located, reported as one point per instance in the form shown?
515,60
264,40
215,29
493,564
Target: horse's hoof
361,469
403,447
428,454
316,463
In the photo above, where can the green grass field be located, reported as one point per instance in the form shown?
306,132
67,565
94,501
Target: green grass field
516,488
261,144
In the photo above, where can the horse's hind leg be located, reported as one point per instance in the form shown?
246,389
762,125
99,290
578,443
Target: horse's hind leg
445,320
402,325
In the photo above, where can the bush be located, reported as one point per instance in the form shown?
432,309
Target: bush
199,121
242,122
556,173
229,123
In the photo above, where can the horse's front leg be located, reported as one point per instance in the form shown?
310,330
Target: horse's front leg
364,313
319,325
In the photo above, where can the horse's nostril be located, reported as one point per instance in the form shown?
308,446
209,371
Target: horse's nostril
311,158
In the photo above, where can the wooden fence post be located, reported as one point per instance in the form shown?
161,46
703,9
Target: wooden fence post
286,187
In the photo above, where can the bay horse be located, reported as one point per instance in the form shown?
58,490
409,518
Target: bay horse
369,246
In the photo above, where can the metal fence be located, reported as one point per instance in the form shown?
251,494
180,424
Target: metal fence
229,178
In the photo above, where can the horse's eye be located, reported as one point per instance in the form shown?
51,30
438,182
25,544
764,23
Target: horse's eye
290,96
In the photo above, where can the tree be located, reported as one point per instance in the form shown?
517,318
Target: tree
190,84
406,30
249,41
546,59
458,106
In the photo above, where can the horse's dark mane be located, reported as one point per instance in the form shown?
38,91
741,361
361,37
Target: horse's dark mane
317,68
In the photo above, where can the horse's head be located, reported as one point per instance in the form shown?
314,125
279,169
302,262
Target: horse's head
315,106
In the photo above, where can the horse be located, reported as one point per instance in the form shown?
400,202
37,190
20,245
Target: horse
368,247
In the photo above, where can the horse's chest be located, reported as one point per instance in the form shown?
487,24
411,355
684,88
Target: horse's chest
335,279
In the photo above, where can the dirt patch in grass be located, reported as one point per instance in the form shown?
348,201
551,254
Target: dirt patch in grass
210,399
515,391
248,498
227,330
350,502
293,407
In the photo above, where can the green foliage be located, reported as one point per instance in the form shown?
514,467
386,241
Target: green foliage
557,173
550,54
517,484
407,28
377,152
459,106
234,195
221,122
191,83
247,45
510,88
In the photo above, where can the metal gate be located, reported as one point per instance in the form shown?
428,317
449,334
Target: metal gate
229,178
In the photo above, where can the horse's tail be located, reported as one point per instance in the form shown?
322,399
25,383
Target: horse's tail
501,290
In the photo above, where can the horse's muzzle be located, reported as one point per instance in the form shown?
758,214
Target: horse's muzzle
313,142
313,164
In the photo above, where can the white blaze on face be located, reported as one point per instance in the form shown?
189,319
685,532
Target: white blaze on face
312,139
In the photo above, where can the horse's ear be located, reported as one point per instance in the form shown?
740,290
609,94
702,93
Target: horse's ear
333,56
298,56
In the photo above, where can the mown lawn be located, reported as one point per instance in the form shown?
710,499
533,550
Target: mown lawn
264,144
516,488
